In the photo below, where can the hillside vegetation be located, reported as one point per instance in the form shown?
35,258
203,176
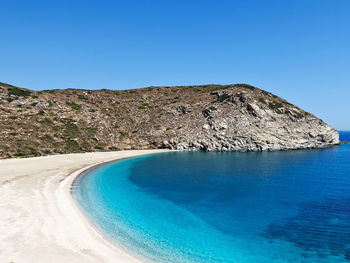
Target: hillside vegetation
35,123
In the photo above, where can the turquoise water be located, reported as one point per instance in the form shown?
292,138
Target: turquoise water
291,206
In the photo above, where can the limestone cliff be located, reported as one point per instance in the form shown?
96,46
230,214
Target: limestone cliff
236,117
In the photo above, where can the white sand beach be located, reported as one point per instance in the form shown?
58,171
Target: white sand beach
39,221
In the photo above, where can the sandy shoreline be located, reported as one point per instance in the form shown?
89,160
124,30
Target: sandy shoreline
40,222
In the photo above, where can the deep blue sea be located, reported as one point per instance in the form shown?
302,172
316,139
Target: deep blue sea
289,206
344,136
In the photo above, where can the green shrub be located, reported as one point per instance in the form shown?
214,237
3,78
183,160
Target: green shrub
223,97
81,97
144,106
47,121
298,115
71,129
275,105
13,117
72,145
10,100
99,147
247,86
113,148
74,106
261,100
157,127
91,130
123,134
278,111
212,108
13,133
19,154
286,102
18,92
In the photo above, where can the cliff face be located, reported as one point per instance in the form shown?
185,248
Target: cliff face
211,117
253,121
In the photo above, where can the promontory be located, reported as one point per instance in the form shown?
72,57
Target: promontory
237,117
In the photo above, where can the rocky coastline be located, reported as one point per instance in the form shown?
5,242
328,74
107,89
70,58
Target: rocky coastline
236,117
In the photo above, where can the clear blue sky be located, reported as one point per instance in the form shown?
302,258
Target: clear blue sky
297,49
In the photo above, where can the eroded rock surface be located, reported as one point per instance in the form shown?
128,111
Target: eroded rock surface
210,117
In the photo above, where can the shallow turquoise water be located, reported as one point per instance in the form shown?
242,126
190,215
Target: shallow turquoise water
291,206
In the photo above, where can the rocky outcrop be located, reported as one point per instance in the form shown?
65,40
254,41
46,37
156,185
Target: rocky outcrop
236,117
178,109
247,123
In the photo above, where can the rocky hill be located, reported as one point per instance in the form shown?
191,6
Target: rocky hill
236,117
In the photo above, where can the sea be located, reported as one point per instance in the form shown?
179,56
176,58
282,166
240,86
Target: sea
283,206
